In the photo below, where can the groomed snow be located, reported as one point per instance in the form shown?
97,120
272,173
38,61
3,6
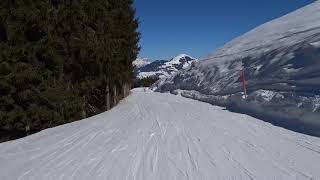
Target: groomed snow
151,136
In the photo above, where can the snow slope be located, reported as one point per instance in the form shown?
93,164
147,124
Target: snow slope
281,58
163,68
151,136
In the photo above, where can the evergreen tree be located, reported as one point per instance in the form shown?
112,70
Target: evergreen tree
63,60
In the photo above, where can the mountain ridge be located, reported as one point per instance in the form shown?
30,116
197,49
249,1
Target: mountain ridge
162,68
281,57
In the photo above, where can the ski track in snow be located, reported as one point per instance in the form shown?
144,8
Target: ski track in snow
161,136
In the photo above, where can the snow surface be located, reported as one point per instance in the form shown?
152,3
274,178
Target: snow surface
151,136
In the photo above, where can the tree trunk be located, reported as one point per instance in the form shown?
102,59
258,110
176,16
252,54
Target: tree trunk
114,95
83,113
107,98
126,90
27,129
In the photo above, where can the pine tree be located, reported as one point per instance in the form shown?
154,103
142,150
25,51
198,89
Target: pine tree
63,60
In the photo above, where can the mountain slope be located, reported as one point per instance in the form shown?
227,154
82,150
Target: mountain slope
163,68
161,136
281,60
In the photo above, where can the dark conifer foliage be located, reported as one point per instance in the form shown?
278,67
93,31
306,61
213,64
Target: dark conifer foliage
63,60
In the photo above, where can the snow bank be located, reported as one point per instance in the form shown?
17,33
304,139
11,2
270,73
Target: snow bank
270,107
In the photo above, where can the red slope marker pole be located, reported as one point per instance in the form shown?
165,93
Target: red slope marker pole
243,78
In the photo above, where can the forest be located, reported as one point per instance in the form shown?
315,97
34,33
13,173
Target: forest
63,60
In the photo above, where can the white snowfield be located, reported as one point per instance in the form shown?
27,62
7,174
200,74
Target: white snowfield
153,136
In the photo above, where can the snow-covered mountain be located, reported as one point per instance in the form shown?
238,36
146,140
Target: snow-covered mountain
140,62
281,60
162,68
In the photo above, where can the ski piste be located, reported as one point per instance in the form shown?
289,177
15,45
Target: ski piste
161,136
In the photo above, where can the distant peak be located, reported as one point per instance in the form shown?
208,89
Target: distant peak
140,62
181,56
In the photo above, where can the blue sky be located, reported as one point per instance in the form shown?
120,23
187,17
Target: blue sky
198,27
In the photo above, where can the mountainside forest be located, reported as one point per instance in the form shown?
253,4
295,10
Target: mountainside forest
63,60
